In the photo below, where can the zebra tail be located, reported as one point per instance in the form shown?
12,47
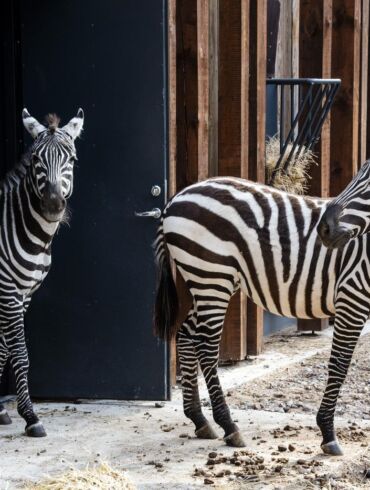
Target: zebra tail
166,301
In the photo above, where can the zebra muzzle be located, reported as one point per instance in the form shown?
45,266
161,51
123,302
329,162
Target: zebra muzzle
331,232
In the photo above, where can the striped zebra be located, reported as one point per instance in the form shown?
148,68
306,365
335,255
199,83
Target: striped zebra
33,199
226,234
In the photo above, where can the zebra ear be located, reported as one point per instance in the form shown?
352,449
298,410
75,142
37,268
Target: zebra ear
75,125
31,124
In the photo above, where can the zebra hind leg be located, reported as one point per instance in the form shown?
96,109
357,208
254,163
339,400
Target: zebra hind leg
210,321
344,342
4,354
189,371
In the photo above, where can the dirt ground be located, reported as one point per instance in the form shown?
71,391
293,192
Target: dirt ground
273,398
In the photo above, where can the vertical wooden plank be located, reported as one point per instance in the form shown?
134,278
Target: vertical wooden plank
172,97
203,87
364,80
344,115
186,101
207,31
213,9
257,123
244,141
244,89
284,55
172,137
315,37
284,46
229,142
257,90
186,93
273,21
315,62
324,150
295,38
233,344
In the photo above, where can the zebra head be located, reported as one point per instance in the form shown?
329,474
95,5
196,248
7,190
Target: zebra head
347,215
52,155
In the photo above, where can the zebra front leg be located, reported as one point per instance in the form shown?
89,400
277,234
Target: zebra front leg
4,354
189,383
13,330
207,340
347,329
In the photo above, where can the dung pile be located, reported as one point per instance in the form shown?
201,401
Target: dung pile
243,464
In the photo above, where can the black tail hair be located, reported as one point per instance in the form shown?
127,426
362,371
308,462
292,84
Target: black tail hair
166,301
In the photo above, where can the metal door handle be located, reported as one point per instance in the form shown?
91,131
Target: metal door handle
154,213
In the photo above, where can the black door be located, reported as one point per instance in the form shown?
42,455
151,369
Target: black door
89,328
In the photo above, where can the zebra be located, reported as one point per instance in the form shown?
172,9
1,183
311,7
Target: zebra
33,200
292,255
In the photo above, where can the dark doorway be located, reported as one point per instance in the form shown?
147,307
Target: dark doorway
89,327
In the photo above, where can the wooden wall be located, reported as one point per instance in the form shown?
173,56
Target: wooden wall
217,71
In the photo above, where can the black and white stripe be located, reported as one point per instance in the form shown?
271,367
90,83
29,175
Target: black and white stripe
32,205
226,234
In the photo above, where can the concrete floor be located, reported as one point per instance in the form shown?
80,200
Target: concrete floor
156,445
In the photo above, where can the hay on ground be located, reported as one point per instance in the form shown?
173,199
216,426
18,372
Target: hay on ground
99,477
295,180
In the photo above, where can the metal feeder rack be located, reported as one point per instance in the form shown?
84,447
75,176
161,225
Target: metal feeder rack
310,100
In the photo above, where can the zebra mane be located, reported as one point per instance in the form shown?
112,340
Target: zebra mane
52,120
14,176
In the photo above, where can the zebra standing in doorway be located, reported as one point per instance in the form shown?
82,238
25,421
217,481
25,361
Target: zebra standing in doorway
226,234
33,200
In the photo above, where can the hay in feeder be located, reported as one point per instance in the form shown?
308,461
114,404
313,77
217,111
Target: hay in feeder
295,179
98,477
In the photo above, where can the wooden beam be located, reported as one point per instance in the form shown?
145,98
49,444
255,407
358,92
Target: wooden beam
233,344
183,100
244,90
364,81
213,12
207,32
315,62
172,98
171,82
273,20
203,87
344,115
186,93
244,141
295,38
257,89
324,150
257,123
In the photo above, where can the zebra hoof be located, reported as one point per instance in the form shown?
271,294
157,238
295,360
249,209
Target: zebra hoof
4,418
206,432
332,448
36,430
235,440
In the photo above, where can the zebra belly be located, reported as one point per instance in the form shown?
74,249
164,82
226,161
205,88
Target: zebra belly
202,257
306,292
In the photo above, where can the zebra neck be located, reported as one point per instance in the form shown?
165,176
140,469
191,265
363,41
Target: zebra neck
27,212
